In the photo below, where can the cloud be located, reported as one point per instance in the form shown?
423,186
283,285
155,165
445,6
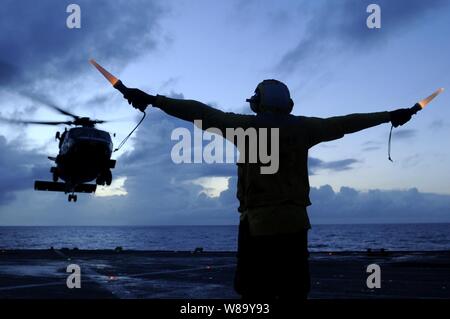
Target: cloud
377,206
212,186
404,134
115,189
169,83
18,169
316,164
437,124
371,148
176,95
334,27
372,145
7,73
36,45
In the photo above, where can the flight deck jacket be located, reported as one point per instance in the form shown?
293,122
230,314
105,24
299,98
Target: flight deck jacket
290,184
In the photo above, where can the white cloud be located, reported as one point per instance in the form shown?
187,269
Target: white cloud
117,188
212,186
349,205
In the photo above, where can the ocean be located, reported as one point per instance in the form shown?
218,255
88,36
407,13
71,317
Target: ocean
405,237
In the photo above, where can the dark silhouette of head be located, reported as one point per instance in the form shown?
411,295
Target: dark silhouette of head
271,96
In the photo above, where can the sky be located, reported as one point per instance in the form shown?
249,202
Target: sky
217,52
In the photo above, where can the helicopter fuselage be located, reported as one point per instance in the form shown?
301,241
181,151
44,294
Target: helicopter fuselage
84,155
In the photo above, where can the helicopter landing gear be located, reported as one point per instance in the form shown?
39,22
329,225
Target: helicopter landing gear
100,181
104,178
108,177
72,197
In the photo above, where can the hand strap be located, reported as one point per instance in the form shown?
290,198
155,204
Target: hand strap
389,144
128,136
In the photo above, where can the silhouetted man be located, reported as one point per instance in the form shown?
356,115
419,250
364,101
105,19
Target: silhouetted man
274,224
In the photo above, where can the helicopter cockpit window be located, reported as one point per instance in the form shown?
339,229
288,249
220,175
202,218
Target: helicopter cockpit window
88,133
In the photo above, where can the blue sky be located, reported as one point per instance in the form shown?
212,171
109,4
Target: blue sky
217,52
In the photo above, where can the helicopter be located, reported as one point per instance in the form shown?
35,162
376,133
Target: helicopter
84,155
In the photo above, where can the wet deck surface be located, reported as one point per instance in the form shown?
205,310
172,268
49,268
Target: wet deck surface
139,274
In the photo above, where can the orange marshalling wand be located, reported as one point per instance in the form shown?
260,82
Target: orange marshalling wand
116,83
420,105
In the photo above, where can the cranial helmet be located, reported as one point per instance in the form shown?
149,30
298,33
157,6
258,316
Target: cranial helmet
271,96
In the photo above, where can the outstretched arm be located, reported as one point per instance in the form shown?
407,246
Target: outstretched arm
322,130
189,110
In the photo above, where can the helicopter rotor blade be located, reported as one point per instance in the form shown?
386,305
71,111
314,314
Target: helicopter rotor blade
36,122
113,120
45,101
82,121
104,121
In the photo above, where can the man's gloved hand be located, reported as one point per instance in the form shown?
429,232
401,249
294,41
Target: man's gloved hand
400,116
139,99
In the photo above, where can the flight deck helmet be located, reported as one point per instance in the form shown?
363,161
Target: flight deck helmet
271,96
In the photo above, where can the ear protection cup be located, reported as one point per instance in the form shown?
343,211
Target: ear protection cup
255,101
291,106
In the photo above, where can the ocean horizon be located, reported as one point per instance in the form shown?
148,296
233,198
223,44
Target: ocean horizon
322,237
